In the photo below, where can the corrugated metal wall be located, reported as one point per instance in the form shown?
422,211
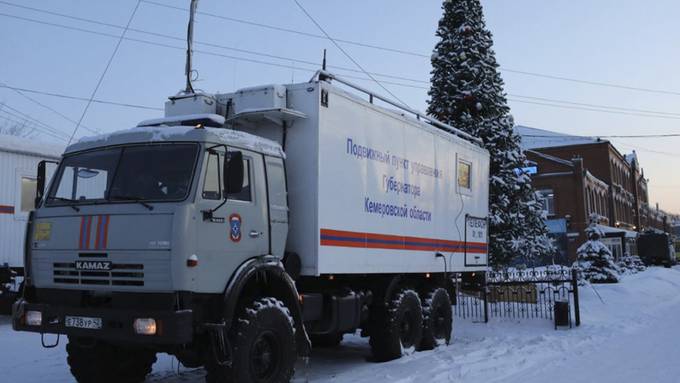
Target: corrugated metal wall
12,220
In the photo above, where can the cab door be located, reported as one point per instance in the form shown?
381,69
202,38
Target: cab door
239,228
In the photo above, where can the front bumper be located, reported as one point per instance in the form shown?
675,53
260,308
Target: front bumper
173,327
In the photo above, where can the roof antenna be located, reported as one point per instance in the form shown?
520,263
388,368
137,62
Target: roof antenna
190,47
323,64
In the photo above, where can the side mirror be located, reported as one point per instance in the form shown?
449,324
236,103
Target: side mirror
232,172
41,180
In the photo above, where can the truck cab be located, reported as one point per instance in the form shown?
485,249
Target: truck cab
139,229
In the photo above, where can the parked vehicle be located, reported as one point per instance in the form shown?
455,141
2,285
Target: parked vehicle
242,225
19,157
656,248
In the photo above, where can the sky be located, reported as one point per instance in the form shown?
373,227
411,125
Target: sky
628,44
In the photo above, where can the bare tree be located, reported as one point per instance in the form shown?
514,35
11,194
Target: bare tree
12,127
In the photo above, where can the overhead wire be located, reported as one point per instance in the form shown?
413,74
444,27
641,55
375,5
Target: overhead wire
420,54
183,39
548,102
366,45
47,107
23,121
106,69
70,97
311,18
34,120
288,30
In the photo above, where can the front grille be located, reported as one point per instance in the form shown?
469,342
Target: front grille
127,274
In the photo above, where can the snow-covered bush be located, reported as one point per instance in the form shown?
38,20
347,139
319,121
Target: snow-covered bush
595,261
631,264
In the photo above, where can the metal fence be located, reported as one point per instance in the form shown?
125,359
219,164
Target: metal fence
519,294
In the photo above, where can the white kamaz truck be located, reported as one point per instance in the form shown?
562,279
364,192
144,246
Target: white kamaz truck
242,229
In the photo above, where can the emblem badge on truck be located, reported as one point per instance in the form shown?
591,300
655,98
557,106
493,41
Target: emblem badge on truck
235,227
93,265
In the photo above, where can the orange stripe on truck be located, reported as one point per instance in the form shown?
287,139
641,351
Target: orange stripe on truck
342,238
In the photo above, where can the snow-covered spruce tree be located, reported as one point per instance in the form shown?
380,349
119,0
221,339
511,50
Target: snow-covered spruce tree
631,264
467,93
595,261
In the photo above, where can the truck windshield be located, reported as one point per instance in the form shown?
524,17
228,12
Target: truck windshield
159,172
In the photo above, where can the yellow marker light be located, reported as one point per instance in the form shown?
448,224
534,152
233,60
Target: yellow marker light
145,326
33,318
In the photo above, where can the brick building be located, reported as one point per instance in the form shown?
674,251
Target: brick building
581,179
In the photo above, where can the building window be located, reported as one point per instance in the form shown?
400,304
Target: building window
547,199
28,193
464,170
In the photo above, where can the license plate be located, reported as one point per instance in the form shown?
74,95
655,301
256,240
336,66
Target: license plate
84,322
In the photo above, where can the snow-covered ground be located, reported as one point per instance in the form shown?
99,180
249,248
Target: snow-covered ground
631,335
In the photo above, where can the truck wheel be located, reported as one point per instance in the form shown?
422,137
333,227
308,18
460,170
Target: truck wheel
326,340
106,363
398,328
264,343
437,319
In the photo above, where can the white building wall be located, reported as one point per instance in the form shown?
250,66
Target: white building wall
15,164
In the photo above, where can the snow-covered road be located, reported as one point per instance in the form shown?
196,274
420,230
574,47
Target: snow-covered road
633,336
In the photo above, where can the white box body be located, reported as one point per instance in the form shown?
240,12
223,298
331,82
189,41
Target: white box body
336,185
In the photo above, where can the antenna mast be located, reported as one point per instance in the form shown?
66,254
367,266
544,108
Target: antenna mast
190,46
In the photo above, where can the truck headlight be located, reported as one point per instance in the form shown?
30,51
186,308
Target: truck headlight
33,318
145,326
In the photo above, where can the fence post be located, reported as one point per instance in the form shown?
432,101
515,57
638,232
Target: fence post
574,285
484,295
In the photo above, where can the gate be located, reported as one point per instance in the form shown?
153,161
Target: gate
518,294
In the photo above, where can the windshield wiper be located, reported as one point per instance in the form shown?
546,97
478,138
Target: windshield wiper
71,205
131,198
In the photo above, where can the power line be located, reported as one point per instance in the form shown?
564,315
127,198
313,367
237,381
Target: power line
570,104
214,45
423,55
34,120
593,109
603,136
24,121
288,30
106,69
596,105
69,97
551,102
595,83
345,52
642,149
31,99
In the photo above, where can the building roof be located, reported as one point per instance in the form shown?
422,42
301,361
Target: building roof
30,146
615,230
533,138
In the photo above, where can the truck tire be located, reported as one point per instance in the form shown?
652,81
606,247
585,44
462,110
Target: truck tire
397,328
326,340
107,363
263,342
437,319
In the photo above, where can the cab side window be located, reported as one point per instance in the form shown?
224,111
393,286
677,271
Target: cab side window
212,183
246,193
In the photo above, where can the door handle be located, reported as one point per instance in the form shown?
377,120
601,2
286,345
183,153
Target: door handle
254,234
